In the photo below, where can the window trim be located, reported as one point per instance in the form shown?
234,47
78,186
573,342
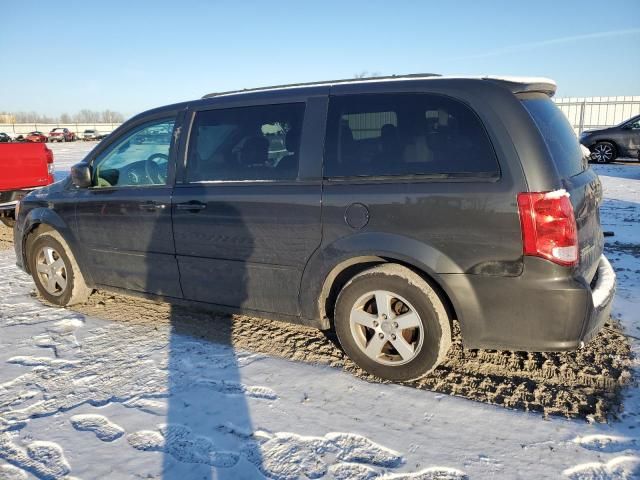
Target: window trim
176,117
184,153
457,177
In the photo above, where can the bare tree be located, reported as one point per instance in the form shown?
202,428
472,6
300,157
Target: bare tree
83,116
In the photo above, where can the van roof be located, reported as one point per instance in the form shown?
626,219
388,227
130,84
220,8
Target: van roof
515,84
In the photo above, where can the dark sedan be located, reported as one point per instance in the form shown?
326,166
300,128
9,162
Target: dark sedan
607,144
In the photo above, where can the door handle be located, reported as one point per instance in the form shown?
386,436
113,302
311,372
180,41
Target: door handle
152,206
192,206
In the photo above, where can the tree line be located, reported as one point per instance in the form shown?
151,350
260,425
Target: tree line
83,116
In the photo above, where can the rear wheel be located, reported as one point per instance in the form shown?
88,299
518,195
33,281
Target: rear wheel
603,152
55,270
392,324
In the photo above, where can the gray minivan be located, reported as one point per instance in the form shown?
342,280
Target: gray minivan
383,208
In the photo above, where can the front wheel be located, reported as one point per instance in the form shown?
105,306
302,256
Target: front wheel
55,270
392,324
603,152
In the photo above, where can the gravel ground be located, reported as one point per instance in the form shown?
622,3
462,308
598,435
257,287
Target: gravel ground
6,237
583,384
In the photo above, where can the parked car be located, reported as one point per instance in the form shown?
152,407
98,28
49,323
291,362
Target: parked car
607,144
91,134
24,167
4,138
427,200
62,135
36,137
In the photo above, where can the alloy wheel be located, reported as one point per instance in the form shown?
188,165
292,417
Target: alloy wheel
603,153
386,327
52,271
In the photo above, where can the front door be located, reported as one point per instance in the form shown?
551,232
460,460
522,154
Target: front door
245,223
124,219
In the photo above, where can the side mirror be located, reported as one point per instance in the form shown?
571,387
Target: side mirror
81,175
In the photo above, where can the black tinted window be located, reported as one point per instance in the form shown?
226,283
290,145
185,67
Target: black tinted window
249,143
560,138
405,134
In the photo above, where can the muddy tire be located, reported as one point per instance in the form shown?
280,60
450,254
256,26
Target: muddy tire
55,271
392,324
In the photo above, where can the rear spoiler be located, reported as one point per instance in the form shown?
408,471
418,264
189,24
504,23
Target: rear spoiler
526,84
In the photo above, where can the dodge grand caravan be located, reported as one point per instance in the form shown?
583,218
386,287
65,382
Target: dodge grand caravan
381,208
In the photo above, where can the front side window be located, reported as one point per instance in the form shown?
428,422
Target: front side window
248,143
634,124
405,134
141,158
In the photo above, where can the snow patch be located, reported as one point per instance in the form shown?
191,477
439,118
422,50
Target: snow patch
285,456
606,443
431,473
606,283
182,444
352,471
9,472
235,388
42,459
618,468
100,425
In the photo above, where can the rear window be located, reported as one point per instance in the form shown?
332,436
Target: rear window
558,134
406,134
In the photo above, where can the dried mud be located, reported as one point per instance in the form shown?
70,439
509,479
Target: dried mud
6,237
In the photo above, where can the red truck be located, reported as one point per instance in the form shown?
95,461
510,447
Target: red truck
23,167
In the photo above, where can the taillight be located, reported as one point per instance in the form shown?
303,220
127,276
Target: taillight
50,166
549,227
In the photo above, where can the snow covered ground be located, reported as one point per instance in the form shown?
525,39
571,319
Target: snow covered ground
86,397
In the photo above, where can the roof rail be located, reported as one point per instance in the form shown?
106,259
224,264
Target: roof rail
325,82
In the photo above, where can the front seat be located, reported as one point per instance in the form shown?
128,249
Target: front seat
252,158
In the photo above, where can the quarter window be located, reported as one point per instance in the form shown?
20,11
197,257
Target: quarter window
405,134
248,143
141,158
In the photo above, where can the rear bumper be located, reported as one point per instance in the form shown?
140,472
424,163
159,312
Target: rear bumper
8,200
543,309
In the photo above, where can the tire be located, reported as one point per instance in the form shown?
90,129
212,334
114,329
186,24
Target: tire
49,250
424,341
604,152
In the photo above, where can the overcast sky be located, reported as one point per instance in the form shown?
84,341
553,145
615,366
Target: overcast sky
133,55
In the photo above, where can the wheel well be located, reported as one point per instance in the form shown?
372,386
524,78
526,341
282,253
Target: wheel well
345,271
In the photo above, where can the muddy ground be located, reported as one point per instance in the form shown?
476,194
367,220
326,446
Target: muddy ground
6,237
584,384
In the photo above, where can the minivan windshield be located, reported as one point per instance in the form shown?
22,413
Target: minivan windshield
558,135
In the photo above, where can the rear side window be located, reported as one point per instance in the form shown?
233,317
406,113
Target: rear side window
560,138
248,143
405,134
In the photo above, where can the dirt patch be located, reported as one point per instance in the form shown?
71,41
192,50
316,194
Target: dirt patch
6,237
579,384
